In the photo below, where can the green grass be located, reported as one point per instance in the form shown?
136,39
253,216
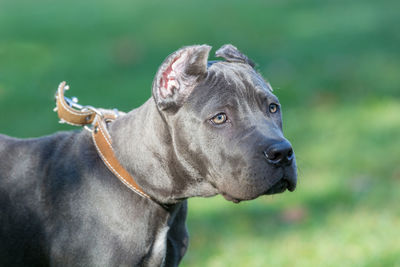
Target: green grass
335,67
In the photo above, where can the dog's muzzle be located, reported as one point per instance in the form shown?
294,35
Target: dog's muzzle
281,155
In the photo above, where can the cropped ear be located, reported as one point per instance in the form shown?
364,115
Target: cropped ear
179,74
231,54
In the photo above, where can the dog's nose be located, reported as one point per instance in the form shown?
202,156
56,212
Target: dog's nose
280,154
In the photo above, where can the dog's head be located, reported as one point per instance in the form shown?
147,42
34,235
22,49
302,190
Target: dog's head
225,122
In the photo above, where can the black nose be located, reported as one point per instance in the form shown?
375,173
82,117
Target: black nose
280,154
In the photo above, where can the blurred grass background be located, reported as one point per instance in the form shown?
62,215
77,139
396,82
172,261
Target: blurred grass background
335,65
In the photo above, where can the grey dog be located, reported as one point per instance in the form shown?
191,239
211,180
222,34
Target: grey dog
210,128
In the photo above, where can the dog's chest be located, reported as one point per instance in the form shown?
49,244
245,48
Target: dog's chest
158,248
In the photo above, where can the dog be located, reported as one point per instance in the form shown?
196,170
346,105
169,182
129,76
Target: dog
210,127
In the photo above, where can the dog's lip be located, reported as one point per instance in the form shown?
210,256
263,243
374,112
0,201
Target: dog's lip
230,198
279,187
291,186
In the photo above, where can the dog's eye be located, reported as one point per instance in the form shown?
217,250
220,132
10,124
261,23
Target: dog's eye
273,108
219,118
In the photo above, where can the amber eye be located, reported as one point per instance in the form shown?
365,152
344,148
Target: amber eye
273,108
219,118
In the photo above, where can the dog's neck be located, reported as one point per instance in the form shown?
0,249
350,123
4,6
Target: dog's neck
142,142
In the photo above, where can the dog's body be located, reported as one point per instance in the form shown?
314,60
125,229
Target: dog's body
206,131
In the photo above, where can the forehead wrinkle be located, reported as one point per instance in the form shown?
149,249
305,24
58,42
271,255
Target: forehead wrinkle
262,89
225,80
227,73
234,74
253,87
236,81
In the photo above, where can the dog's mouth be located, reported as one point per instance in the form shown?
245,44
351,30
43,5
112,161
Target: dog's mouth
231,198
280,187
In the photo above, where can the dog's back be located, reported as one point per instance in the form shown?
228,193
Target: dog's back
24,177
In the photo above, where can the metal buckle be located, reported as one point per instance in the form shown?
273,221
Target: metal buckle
95,110
73,102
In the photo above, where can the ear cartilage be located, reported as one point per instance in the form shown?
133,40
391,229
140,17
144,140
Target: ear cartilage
171,85
177,77
231,54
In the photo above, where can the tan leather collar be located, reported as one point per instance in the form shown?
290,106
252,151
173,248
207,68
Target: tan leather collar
69,111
